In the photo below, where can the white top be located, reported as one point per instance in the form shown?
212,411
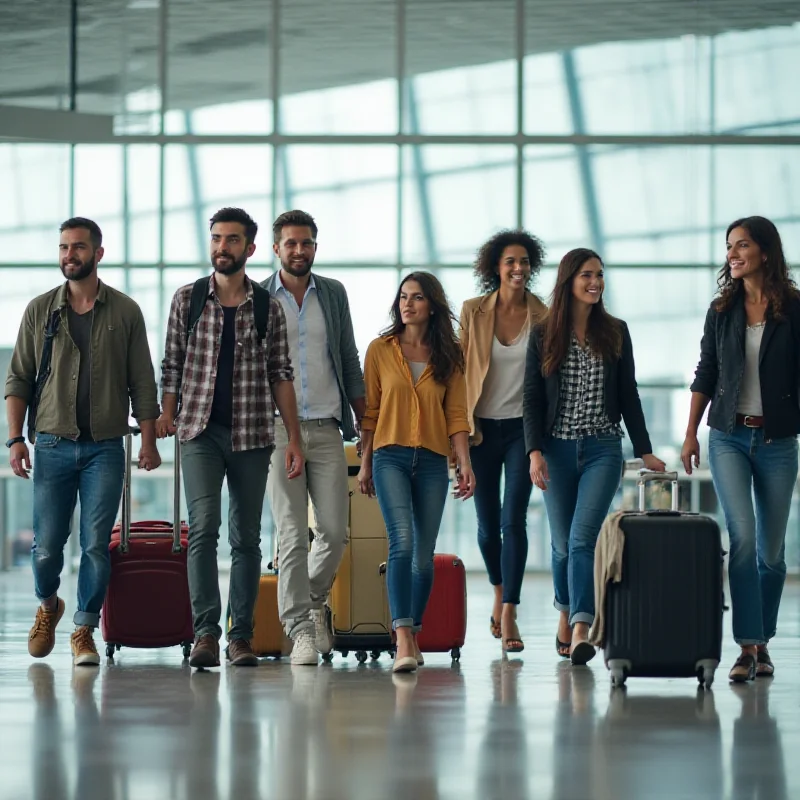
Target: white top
501,396
750,392
315,381
417,368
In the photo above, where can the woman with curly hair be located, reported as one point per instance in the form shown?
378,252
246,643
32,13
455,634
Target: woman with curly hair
494,337
416,415
580,383
749,371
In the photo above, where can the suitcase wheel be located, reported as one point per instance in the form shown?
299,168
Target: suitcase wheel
361,656
327,657
375,655
187,649
455,654
110,650
705,672
619,672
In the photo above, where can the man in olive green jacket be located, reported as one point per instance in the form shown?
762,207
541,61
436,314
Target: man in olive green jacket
100,367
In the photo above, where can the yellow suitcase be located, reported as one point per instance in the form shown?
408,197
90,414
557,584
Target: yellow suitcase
268,636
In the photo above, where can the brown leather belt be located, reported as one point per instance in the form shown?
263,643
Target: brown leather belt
749,421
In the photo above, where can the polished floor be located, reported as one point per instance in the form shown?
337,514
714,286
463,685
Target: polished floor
147,727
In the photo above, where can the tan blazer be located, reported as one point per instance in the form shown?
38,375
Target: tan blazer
477,333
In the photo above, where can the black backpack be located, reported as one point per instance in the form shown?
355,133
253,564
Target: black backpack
261,304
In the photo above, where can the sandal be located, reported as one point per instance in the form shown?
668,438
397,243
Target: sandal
743,669
494,627
513,644
764,666
562,648
582,653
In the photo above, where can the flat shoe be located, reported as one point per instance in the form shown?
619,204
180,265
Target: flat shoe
562,646
581,654
513,645
743,669
406,664
764,667
494,627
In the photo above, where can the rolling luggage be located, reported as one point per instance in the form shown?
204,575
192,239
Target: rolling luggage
664,618
358,601
444,623
147,602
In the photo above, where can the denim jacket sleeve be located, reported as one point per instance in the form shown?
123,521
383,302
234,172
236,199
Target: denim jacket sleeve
707,372
534,395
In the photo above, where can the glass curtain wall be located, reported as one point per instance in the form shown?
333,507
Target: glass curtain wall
412,130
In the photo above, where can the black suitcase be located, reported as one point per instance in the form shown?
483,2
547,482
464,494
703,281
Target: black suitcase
664,618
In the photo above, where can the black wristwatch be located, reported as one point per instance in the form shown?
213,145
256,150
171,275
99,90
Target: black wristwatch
13,441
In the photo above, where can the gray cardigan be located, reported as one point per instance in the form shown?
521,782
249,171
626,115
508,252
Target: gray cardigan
341,343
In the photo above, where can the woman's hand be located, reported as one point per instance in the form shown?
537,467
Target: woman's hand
653,463
364,479
539,474
690,452
465,482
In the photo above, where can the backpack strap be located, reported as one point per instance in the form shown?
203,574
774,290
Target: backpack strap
261,306
43,373
262,301
197,303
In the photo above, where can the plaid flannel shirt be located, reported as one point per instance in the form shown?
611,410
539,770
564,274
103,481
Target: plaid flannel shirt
583,399
189,369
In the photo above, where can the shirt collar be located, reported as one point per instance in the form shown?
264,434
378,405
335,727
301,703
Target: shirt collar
63,296
312,284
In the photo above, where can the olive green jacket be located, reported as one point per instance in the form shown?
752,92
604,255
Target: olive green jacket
122,370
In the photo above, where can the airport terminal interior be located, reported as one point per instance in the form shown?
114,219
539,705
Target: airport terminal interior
412,130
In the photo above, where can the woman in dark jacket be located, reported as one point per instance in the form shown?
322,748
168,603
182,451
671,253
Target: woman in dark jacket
749,371
580,382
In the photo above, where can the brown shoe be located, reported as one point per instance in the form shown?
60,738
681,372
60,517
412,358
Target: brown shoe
42,638
240,654
84,653
205,652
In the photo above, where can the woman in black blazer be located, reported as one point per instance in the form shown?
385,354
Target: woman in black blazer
580,382
749,371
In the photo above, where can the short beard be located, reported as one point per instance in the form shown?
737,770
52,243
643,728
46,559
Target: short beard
298,273
86,269
236,265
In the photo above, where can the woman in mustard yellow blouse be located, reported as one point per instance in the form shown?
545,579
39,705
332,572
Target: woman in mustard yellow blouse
416,411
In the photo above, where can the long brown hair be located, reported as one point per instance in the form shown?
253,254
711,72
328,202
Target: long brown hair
603,332
779,288
446,353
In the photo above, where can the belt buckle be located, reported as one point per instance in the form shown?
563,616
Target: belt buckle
746,422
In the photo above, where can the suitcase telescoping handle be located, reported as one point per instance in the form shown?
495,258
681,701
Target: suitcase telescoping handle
646,476
125,527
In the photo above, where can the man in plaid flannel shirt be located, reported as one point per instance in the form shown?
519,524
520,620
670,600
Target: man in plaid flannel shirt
227,379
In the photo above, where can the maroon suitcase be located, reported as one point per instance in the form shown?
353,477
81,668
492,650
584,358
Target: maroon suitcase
147,602
444,623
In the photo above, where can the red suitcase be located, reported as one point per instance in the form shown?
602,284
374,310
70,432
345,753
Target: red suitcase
444,623
147,602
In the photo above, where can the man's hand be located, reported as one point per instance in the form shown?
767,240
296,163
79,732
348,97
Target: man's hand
293,457
165,426
149,458
20,459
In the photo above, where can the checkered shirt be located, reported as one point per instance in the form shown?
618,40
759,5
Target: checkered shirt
189,369
582,410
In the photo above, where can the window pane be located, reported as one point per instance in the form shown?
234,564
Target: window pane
143,185
118,62
352,194
546,101
476,92
218,76
34,201
455,197
338,67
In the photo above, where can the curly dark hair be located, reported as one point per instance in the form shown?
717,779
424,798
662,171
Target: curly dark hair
488,257
779,287
446,353
297,218
232,214
604,332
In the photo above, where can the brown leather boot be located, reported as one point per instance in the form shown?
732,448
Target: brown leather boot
42,638
240,654
205,652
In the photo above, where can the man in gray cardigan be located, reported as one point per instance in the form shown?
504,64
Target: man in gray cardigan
328,383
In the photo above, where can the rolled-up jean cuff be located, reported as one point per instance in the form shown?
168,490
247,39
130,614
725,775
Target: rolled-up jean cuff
560,607
750,642
406,622
84,618
581,616
415,629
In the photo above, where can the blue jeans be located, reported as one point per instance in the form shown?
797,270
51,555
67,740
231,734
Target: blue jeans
502,525
584,477
744,465
63,470
411,484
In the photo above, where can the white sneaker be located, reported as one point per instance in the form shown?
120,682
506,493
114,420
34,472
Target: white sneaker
303,651
322,630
